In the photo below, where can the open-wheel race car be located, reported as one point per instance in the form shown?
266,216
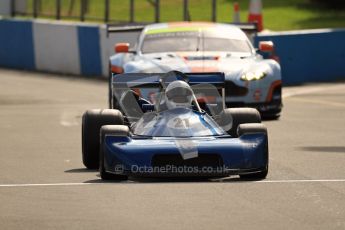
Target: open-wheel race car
173,125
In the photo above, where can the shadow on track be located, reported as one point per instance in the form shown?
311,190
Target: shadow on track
80,170
139,180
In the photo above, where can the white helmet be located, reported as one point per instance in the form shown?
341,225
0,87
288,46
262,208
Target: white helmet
178,94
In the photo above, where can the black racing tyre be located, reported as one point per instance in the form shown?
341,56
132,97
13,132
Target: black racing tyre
240,116
251,128
114,130
271,114
92,122
255,128
256,176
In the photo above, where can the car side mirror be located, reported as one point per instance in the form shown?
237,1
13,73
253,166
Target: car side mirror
121,48
266,46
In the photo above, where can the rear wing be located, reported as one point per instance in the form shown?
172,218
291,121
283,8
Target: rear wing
124,29
148,80
250,29
207,87
247,27
214,78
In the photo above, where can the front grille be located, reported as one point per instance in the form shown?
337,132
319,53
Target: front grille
203,160
231,89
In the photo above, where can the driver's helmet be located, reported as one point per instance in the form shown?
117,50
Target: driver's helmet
178,94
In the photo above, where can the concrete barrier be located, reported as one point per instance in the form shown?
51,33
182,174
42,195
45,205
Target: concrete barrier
16,44
59,47
84,49
5,7
309,55
56,47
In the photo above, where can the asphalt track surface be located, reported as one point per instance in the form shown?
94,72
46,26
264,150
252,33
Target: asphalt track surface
43,184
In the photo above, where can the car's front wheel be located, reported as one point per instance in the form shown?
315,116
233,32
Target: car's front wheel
113,130
249,129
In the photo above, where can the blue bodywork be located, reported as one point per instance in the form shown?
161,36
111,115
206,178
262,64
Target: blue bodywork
245,154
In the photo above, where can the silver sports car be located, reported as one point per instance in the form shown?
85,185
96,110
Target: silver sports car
251,80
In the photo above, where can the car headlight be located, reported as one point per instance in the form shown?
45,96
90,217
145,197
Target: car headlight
253,76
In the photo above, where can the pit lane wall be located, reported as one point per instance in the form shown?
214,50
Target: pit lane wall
309,55
58,47
83,49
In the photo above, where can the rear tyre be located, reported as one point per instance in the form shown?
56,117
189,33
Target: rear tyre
255,128
114,130
238,116
92,122
272,115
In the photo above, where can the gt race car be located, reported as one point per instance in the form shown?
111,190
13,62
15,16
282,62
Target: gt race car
183,129
250,80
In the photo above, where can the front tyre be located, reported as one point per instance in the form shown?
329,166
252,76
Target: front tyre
113,130
249,129
256,176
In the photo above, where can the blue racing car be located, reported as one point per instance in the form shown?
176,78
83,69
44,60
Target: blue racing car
172,125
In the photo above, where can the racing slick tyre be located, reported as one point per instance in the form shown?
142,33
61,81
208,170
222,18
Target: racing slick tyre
255,128
113,130
237,116
92,122
271,115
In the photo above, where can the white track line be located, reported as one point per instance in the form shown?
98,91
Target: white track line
301,181
42,185
82,184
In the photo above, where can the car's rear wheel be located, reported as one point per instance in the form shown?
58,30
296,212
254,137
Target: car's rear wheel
231,118
271,114
113,130
255,128
92,122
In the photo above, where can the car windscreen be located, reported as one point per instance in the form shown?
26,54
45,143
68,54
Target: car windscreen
170,42
180,122
225,45
191,41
